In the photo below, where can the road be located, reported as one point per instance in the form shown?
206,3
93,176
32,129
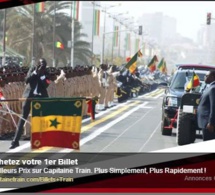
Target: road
133,126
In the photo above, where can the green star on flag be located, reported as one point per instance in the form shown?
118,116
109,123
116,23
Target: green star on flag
54,123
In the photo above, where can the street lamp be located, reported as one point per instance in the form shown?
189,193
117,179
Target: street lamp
126,26
104,30
104,9
120,22
115,19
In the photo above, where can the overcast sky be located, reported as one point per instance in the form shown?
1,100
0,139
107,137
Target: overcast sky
190,15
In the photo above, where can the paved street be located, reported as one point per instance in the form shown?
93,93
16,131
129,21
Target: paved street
133,126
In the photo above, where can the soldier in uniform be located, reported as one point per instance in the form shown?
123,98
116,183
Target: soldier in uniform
103,83
112,87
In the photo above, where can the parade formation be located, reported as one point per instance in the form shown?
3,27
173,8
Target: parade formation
106,83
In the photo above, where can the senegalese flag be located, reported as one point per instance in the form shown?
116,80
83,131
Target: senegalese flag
75,10
194,82
116,35
56,122
96,26
58,44
40,7
165,67
161,65
132,64
152,64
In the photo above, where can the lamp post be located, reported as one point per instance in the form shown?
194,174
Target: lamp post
115,19
33,34
4,37
126,26
93,31
72,34
54,29
104,29
121,24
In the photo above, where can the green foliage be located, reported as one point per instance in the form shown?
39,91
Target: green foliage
20,33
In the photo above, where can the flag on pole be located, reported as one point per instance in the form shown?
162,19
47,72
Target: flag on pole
56,122
152,64
165,68
161,65
132,64
116,35
75,10
58,44
194,82
96,26
40,7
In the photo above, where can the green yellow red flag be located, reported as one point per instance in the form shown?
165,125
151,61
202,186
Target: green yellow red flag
56,122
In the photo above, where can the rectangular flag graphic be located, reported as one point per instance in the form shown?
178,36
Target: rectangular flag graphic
58,44
75,11
40,7
132,64
96,25
56,122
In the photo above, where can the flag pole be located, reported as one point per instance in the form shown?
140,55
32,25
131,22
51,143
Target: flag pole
4,41
93,23
33,35
54,29
72,32
113,40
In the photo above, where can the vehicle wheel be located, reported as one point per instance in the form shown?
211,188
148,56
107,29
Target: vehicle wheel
185,133
193,132
165,131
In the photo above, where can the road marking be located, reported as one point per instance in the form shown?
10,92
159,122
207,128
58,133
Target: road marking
125,130
27,145
108,110
149,137
104,128
83,129
147,107
158,96
154,93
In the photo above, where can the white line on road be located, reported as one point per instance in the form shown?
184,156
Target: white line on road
147,141
125,130
104,128
27,145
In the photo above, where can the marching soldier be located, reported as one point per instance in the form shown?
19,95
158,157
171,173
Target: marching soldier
103,83
112,87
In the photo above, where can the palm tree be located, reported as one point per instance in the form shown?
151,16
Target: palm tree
19,32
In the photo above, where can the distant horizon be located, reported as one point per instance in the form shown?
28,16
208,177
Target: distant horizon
190,15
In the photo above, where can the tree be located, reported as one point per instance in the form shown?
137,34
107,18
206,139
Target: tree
20,33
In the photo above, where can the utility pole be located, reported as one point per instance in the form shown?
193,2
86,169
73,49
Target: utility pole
4,37
113,39
72,33
54,29
93,30
33,35
103,42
